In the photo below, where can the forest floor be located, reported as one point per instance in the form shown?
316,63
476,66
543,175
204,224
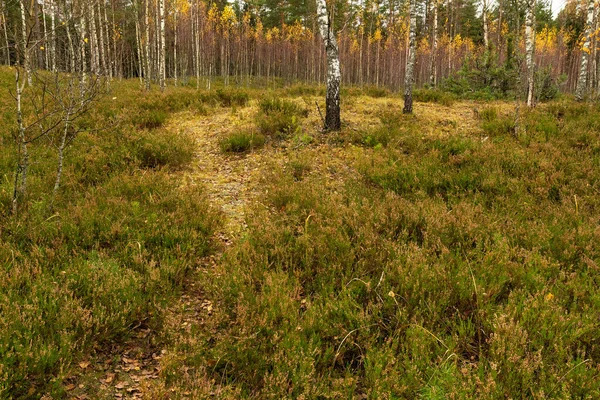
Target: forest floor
220,245
234,184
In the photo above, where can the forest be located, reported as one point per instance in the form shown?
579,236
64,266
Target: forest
299,199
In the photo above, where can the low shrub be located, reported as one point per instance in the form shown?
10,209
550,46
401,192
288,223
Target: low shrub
279,118
159,148
239,142
232,97
434,96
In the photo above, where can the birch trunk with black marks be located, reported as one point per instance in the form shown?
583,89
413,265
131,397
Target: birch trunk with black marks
410,61
20,182
83,40
162,55
25,42
486,27
5,30
70,40
53,35
176,12
585,54
138,40
434,46
334,75
61,154
530,50
44,41
147,44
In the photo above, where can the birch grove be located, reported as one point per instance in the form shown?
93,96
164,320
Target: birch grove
166,42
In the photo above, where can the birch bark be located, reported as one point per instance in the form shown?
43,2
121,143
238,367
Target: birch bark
530,50
585,53
334,76
410,61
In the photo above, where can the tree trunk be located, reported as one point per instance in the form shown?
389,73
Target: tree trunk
175,45
162,55
53,33
585,54
5,29
20,183
138,40
434,46
25,43
334,76
410,61
147,44
486,28
530,49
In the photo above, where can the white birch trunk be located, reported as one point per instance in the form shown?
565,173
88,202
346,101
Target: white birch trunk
103,60
434,46
20,183
70,40
530,50
95,57
334,75
138,40
585,53
410,61
147,44
53,33
25,42
45,38
162,56
176,12
82,53
486,28
5,29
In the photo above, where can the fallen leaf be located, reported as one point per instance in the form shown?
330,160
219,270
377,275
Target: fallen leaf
121,385
84,364
109,378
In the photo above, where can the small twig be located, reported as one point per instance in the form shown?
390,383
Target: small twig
337,353
321,114
563,377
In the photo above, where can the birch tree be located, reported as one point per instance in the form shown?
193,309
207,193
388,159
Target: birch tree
25,41
434,44
162,51
585,53
147,44
530,49
334,75
486,25
410,60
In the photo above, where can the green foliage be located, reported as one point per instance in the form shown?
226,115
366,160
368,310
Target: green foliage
119,243
483,78
279,118
451,268
495,124
239,142
546,87
375,91
229,97
160,148
434,96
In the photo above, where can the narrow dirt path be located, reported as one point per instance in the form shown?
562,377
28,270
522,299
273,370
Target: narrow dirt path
131,370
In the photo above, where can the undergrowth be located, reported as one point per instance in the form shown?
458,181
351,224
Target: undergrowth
116,245
451,267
